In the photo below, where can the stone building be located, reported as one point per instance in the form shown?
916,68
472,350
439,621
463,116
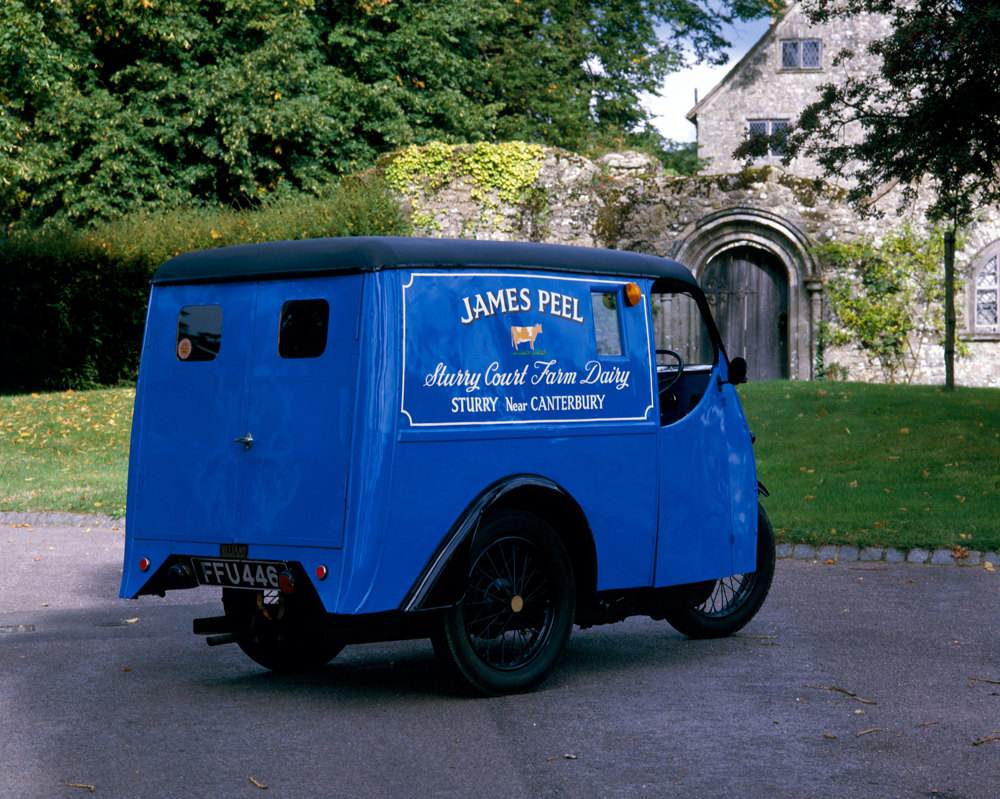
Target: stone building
778,77
748,235
764,93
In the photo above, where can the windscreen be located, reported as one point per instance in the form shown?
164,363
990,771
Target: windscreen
680,327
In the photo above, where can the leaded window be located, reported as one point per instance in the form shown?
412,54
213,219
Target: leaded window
770,127
988,298
801,54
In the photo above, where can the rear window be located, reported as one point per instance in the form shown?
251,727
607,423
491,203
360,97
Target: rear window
303,328
199,332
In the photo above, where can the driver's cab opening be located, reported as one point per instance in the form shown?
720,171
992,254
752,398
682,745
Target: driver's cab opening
686,350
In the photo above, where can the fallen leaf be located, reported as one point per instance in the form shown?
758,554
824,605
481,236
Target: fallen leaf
260,785
829,561
829,735
905,431
90,788
126,668
865,732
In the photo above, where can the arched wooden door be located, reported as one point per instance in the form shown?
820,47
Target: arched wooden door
747,288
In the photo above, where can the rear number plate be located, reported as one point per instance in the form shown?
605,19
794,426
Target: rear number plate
259,574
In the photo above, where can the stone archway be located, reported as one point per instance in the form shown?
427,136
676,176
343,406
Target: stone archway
766,259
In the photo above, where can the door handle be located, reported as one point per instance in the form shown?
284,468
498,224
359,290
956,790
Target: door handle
246,441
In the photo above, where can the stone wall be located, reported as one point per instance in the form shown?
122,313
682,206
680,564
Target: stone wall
623,201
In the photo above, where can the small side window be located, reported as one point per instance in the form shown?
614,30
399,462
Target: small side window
606,324
199,332
303,328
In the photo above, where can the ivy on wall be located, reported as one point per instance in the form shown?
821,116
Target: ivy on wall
500,176
886,297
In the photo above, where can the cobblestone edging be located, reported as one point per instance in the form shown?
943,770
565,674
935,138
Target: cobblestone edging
823,553
848,554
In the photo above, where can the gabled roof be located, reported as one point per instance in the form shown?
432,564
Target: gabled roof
282,259
710,98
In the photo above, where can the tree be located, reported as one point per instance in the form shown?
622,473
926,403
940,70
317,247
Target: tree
571,72
929,119
112,106
109,107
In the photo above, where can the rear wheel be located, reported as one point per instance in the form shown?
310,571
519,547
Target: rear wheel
734,600
276,633
512,626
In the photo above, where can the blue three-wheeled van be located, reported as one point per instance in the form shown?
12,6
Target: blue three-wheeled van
481,443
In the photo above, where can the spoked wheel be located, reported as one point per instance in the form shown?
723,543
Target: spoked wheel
276,632
513,624
734,600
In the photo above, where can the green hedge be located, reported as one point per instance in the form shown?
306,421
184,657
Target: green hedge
73,302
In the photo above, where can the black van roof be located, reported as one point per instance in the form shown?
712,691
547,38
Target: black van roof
278,259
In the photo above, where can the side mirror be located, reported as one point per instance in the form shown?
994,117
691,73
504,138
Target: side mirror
737,371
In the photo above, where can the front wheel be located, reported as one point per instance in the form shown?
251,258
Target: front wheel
734,600
512,626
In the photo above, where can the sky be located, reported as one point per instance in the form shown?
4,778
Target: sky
677,95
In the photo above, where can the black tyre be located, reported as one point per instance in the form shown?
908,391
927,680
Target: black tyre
734,600
277,634
512,626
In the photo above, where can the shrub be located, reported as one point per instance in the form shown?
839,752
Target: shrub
73,302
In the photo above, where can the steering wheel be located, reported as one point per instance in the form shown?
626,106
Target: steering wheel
680,368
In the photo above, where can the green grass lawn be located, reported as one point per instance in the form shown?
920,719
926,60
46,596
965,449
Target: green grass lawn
845,463
903,466
65,451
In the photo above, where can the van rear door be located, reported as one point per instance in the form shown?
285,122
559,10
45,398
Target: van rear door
301,401
247,400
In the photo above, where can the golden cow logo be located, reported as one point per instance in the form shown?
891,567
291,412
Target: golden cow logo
529,334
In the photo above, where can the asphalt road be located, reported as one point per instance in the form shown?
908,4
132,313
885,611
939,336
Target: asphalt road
869,680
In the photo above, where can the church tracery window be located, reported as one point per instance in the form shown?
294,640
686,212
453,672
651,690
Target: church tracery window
987,297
